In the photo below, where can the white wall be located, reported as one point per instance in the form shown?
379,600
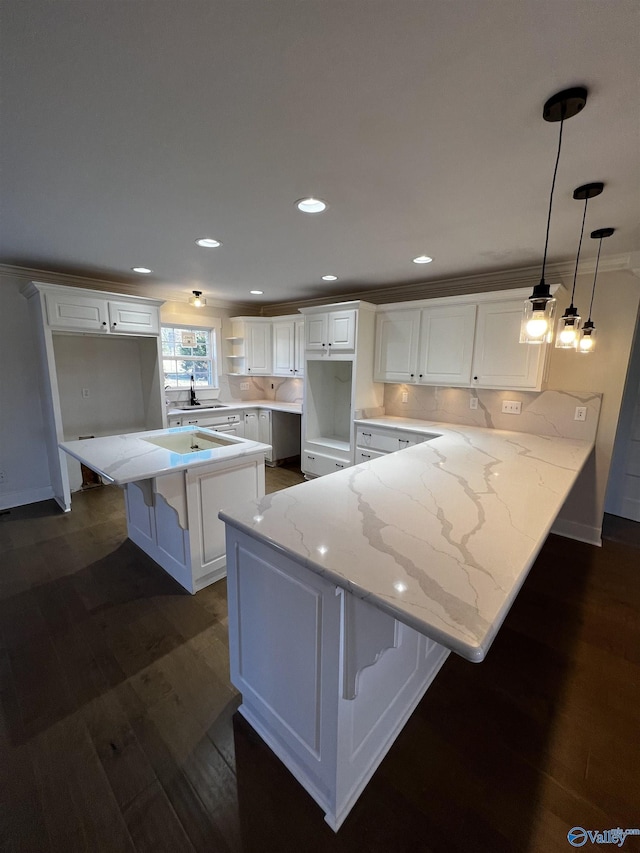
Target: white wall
614,314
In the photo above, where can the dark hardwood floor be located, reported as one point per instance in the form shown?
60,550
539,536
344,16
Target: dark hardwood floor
118,731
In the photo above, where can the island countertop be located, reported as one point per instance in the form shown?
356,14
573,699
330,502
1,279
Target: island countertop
219,409
130,457
440,535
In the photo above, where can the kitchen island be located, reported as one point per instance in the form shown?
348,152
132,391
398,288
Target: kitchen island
347,593
175,481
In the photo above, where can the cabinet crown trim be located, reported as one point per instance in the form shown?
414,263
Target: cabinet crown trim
339,306
31,288
467,298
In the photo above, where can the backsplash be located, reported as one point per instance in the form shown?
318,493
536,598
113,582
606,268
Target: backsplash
261,388
543,412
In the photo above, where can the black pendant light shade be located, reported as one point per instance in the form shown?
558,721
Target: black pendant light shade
587,341
539,308
568,335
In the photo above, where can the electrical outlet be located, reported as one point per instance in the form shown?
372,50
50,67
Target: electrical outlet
244,386
2,476
405,396
581,413
511,407
85,393
473,402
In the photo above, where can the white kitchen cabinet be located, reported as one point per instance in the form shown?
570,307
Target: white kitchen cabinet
431,346
499,359
73,310
288,347
381,440
251,430
264,432
446,344
331,331
458,341
338,383
252,347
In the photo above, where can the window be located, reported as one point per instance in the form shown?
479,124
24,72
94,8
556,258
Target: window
189,351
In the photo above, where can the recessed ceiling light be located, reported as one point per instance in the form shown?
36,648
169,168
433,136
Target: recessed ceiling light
257,292
422,259
142,270
208,243
311,205
329,277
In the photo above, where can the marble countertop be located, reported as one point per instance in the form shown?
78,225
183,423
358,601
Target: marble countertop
440,535
127,458
274,405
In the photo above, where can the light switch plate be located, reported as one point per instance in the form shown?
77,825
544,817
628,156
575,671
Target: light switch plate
511,407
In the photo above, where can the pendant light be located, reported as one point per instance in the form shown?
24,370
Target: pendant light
539,308
568,334
588,332
196,300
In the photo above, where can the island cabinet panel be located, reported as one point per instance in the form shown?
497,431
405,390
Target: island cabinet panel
327,679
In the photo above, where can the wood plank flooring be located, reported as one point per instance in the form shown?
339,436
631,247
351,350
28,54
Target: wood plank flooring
118,729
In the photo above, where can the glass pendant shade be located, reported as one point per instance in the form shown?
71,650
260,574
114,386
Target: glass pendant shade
587,342
568,333
537,321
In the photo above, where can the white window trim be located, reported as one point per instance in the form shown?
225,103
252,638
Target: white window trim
212,324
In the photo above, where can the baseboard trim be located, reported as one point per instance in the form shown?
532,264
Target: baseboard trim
10,500
579,532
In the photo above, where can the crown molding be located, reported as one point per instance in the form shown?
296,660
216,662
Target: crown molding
144,290
509,279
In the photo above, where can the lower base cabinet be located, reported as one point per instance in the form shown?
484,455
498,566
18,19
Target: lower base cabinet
319,464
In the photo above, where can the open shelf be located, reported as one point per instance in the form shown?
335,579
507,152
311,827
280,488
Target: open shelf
332,442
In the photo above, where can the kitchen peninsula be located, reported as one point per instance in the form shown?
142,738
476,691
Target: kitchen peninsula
347,593
175,481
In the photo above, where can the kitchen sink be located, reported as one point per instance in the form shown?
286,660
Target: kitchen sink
189,442
201,408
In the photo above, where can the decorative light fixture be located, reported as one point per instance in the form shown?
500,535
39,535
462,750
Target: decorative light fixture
588,332
568,333
196,300
539,308
311,205
208,243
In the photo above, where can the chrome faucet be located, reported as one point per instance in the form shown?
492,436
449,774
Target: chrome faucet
192,395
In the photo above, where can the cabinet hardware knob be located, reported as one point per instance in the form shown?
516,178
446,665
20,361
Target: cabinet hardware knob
324,345
419,376
338,465
366,455
291,370
368,434
475,378
329,344
115,324
104,322
412,375
311,457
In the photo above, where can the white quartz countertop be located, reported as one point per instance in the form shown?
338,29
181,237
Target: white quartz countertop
130,457
440,535
274,405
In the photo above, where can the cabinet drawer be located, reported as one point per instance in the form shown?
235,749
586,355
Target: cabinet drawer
366,455
319,464
386,441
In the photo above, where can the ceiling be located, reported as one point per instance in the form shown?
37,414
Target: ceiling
129,129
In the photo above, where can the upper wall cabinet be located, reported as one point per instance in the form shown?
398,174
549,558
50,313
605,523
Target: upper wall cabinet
331,331
458,341
80,312
499,359
288,347
252,353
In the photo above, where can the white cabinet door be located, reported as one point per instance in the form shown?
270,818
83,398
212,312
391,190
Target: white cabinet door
319,464
258,348
446,344
264,431
284,349
298,359
396,348
77,312
251,426
499,359
127,318
315,327
342,330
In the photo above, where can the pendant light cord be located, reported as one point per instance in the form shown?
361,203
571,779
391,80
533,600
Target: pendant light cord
575,272
553,184
595,276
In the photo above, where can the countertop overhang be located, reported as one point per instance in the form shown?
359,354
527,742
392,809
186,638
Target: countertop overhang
127,458
440,535
273,405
